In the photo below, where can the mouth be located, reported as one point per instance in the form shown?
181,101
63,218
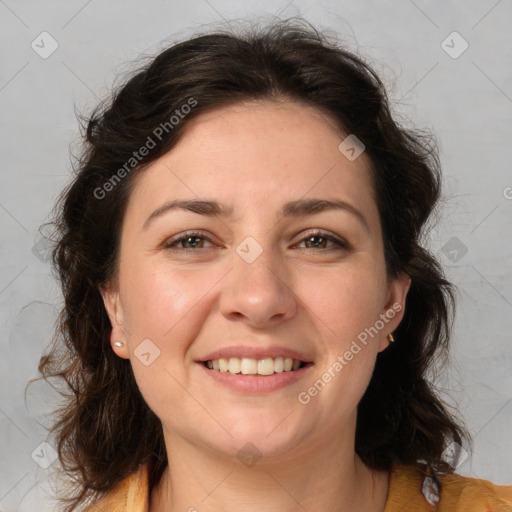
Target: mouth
251,367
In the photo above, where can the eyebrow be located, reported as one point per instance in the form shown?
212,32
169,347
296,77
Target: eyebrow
297,208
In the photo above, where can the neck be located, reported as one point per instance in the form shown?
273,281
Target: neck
314,479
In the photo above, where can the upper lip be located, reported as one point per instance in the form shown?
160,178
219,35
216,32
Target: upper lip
255,353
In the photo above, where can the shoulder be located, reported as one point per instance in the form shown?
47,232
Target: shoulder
477,493
130,495
409,486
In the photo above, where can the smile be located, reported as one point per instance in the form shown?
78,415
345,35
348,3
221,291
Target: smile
277,373
251,366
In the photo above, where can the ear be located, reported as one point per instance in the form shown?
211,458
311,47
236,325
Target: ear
394,309
112,302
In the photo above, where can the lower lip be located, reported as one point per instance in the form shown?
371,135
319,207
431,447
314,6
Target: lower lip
257,383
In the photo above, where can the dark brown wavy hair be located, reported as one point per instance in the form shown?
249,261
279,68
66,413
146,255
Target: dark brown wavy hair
105,430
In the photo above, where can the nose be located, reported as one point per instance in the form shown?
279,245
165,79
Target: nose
257,293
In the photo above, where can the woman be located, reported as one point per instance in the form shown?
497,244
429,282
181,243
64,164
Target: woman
249,316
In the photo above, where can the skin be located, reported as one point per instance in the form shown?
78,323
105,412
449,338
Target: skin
312,297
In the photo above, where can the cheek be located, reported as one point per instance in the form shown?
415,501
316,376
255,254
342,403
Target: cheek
169,308
346,305
159,299
346,302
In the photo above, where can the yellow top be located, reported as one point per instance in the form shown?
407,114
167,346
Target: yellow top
409,491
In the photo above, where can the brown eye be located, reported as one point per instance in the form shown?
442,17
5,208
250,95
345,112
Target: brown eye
317,242
322,240
193,242
188,241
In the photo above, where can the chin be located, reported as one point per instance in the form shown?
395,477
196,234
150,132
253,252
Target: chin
267,434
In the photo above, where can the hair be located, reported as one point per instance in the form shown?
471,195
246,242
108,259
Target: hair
104,430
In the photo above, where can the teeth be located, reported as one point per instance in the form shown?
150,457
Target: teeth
266,366
250,366
223,364
234,365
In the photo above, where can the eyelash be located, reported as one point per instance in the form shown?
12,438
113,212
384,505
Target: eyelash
342,245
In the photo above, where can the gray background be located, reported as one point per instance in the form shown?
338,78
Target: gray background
466,101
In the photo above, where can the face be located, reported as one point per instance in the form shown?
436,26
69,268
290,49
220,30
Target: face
262,272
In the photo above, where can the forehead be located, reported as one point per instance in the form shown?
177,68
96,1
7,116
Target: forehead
256,156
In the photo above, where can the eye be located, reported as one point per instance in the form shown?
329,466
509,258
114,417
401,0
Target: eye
195,240
188,241
320,240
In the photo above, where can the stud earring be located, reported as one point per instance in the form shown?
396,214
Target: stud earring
118,344
390,338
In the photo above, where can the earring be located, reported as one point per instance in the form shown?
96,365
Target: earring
390,338
118,344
